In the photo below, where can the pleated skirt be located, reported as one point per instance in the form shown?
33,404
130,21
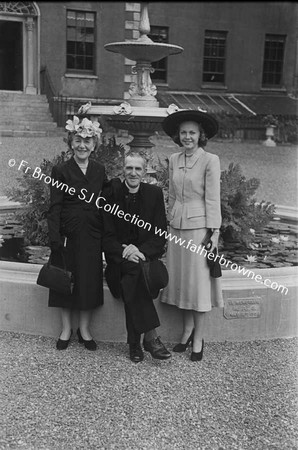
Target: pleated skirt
190,285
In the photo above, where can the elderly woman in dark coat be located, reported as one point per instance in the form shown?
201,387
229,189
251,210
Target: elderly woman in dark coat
75,230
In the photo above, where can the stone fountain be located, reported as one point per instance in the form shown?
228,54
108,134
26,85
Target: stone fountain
141,114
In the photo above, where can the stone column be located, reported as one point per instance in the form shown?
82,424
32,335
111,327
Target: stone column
30,88
132,19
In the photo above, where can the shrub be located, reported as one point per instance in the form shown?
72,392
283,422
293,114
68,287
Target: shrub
270,120
35,194
111,155
241,214
228,123
287,130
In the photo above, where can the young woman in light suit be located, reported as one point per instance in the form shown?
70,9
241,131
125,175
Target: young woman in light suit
194,209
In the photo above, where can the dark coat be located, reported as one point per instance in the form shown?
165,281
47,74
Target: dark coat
152,212
125,278
73,214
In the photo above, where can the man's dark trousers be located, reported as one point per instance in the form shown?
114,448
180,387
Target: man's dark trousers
140,312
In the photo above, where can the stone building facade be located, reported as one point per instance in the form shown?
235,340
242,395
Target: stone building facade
249,49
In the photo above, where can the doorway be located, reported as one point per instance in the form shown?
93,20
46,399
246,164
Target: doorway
11,56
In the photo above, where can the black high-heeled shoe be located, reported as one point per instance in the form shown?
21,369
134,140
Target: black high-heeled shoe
180,348
89,345
197,356
63,344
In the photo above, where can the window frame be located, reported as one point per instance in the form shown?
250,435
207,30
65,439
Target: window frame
76,71
219,35
164,61
266,73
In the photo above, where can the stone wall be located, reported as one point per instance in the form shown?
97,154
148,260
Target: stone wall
251,310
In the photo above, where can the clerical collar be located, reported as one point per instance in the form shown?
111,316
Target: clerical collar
132,190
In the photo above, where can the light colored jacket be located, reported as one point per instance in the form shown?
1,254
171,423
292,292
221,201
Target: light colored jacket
194,190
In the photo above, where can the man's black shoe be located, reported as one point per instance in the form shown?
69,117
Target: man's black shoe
156,348
136,353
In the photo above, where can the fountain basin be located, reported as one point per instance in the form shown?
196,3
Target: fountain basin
143,50
136,112
141,122
252,310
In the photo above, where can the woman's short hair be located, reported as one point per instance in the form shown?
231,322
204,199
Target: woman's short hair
70,136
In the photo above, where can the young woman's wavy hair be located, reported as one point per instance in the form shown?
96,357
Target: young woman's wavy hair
202,139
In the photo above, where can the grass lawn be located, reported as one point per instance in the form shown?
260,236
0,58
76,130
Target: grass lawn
276,167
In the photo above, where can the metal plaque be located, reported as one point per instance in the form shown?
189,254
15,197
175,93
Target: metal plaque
242,308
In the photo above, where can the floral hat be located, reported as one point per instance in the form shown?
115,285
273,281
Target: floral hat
85,128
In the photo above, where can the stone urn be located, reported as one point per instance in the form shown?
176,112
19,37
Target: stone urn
269,142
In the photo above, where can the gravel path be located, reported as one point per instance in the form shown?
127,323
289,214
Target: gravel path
241,396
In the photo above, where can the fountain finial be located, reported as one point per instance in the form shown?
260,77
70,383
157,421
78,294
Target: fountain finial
144,25
141,114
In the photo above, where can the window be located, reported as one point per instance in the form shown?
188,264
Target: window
214,57
273,60
161,35
80,41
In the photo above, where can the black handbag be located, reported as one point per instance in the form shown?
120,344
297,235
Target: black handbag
213,263
56,278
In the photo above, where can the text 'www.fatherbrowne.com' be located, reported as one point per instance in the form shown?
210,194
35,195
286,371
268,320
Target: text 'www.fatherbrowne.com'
114,209
201,250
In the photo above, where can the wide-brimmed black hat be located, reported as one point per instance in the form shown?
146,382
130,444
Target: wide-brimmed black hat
172,122
155,275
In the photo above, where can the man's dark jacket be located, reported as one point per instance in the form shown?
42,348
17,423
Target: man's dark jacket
117,230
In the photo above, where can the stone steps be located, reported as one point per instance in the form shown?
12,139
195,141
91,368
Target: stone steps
30,133
28,109
24,112
22,101
19,97
23,115
29,125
